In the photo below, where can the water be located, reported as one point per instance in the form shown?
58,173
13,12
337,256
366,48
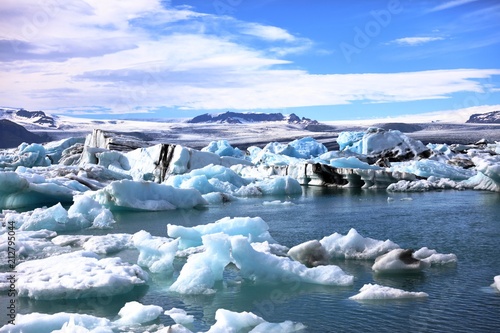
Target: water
460,298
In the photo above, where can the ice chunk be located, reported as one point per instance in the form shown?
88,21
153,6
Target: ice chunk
488,177
266,247
277,203
432,257
84,213
135,313
201,270
310,253
223,148
18,189
228,321
399,261
155,253
428,168
307,147
180,316
27,155
421,185
377,292
140,195
47,323
107,244
377,141
354,246
31,245
285,185
268,268
77,275
352,163
255,228
54,150
496,282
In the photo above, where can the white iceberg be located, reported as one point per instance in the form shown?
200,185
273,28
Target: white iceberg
496,282
84,213
355,246
399,261
77,275
135,313
311,253
180,316
141,195
433,258
430,168
377,292
268,268
284,185
229,321
155,253
48,323
27,155
223,148
255,228
202,270
108,244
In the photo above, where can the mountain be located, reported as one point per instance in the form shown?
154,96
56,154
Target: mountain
35,117
492,117
240,118
12,135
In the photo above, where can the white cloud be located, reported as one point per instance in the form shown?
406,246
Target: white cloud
411,41
450,4
129,56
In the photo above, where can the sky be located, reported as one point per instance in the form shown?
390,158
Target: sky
322,59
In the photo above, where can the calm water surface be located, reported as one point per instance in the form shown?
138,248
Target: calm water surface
466,223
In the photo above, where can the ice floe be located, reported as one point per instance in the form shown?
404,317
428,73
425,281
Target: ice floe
496,282
77,275
135,313
180,316
155,253
399,261
377,292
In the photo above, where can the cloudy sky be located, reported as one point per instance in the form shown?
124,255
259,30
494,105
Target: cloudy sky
324,59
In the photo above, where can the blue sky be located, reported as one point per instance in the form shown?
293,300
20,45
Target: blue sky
328,60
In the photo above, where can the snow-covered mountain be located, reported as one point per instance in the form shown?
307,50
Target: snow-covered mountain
485,118
250,117
25,117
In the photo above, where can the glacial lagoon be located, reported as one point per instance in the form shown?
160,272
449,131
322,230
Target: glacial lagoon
460,296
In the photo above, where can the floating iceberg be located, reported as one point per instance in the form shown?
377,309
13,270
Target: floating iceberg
399,261
496,282
180,316
255,228
108,244
272,186
155,253
77,275
223,148
355,246
268,268
377,292
311,253
201,270
140,195
228,321
430,168
379,142
135,313
27,155
84,213
432,257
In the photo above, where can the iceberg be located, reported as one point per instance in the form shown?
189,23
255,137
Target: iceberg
24,189
285,185
496,282
379,142
202,270
433,258
180,316
355,246
108,244
255,228
311,253
268,268
307,147
155,253
228,321
377,292
84,213
223,148
27,155
48,323
141,195
399,261
430,168
77,275
135,313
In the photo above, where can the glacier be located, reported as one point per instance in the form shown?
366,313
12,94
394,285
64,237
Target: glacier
53,191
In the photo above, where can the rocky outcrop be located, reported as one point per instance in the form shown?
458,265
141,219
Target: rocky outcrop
485,118
239,118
